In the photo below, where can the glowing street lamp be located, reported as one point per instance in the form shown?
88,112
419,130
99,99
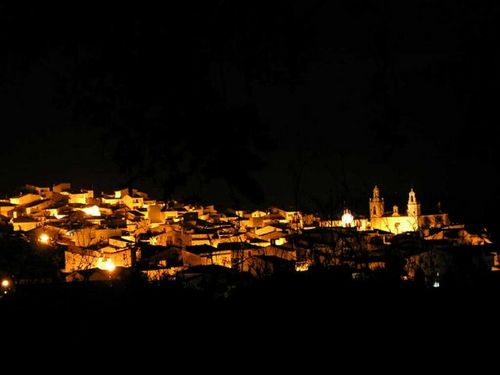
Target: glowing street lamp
436,281
5,287
44,238
111,266
106,265
347,218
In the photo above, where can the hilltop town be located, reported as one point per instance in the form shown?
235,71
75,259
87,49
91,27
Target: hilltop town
112,235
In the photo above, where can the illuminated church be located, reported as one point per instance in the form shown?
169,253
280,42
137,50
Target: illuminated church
393,221
396,222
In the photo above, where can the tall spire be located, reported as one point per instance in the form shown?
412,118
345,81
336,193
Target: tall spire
376,204
413,205
411,197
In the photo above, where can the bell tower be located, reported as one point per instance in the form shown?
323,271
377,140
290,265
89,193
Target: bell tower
376,204
413,205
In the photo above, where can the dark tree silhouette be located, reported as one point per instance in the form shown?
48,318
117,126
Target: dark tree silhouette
158,83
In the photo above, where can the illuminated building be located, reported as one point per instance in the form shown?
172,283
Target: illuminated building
395,222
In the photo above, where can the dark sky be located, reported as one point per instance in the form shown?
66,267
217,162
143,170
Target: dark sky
328,98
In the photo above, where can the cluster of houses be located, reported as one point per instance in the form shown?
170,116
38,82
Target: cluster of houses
105,236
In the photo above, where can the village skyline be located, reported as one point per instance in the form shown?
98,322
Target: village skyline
93,237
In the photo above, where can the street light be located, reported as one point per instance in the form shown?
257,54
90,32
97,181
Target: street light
44,238
106,265
347,218
111,266
6,287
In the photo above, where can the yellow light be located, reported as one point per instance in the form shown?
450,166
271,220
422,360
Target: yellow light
347,218
92,211
302,266
107,265
44,238
5,283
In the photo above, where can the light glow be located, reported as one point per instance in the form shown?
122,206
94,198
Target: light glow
301,266
347,218
106,265
92,211
5,283
44,238
436,282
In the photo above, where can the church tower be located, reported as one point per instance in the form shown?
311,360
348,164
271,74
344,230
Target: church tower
376,204
413,205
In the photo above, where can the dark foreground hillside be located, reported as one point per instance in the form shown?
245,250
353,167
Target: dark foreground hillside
272,310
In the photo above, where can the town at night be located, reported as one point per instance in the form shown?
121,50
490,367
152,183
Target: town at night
258,168
59,234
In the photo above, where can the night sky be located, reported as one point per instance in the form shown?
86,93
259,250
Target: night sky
296,103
